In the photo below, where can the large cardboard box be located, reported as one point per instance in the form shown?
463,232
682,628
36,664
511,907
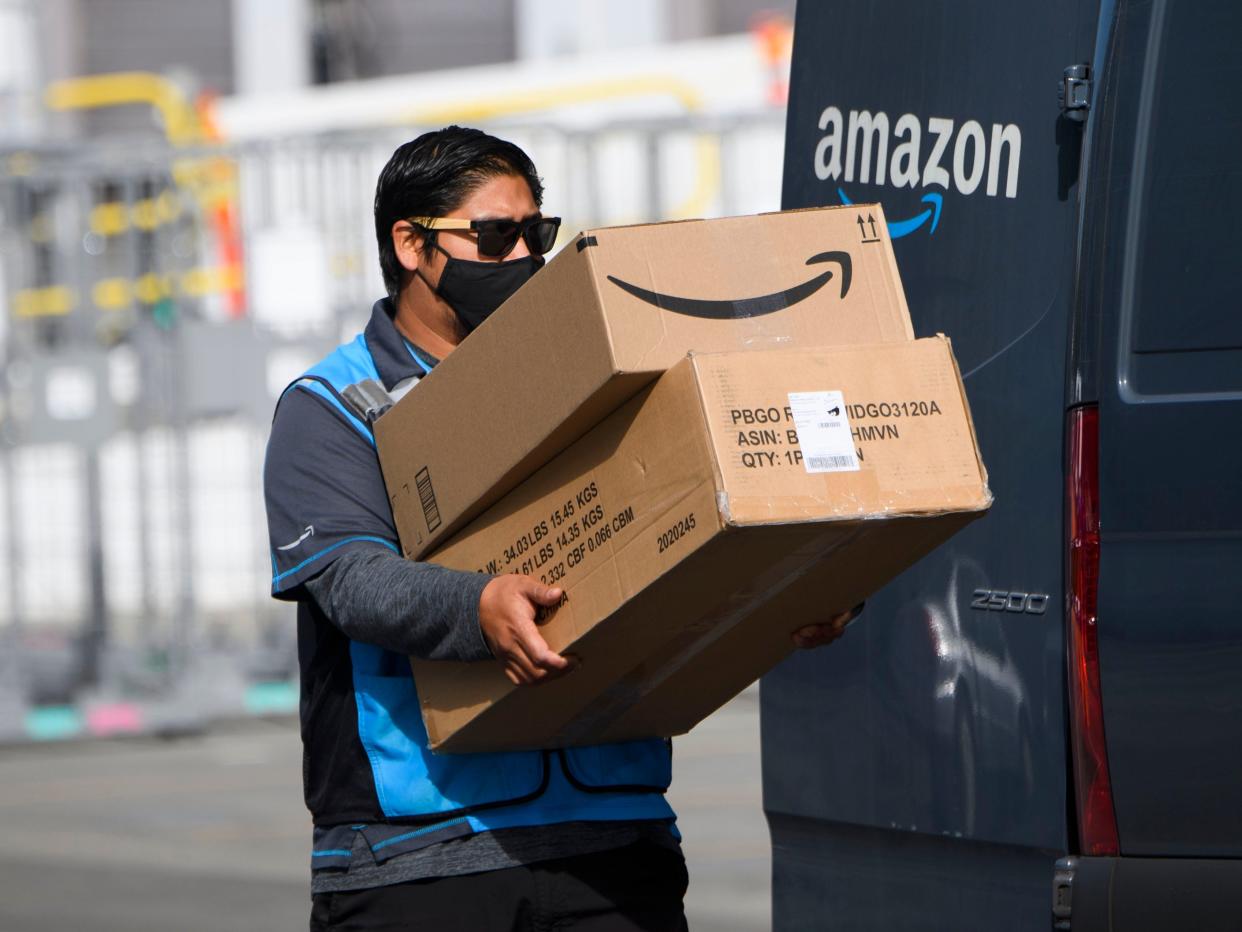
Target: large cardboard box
606,316
739,498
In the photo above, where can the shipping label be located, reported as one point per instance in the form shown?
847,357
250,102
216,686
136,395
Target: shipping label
765,438
823,431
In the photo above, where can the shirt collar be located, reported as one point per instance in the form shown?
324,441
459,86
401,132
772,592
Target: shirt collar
395,358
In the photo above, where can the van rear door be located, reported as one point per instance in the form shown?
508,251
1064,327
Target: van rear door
1170,401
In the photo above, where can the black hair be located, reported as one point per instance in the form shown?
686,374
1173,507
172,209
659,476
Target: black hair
433,174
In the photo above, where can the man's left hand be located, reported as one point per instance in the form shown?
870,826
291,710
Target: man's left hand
825,633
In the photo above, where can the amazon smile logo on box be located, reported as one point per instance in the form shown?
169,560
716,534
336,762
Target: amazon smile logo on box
729,309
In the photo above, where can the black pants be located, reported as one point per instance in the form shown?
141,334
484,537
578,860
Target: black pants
638,888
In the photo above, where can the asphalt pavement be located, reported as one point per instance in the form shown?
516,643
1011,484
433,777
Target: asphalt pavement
209,832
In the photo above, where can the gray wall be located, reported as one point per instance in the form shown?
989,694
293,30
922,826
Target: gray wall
691,19
383,37
159,35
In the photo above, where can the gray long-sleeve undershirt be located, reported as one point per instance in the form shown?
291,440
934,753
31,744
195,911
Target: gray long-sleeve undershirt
420,609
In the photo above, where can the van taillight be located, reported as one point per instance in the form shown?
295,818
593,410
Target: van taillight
1097,822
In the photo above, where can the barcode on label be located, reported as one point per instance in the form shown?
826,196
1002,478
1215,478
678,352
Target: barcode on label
427,498
824,435
831,462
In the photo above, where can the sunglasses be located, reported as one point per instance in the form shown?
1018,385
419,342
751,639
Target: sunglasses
496,238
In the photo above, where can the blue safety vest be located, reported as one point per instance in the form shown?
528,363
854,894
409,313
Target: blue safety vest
481,791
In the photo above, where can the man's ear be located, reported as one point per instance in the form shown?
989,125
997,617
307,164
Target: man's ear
407,243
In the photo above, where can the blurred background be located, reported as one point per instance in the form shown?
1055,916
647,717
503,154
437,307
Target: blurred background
185,225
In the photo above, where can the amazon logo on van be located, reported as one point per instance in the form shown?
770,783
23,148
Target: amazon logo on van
940,154
731,308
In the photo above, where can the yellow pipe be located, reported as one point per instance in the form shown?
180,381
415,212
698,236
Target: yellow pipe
181,123
112,294
52,301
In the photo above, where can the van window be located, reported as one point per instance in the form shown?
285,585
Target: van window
1187,267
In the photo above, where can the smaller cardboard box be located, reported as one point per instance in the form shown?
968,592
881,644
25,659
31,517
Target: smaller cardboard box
740,497
604,318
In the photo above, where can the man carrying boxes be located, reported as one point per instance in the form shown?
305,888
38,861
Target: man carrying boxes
576,836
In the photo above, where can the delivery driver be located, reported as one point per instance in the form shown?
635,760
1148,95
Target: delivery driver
404,839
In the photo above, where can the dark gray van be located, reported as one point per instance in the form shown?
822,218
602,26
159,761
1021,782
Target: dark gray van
1039,725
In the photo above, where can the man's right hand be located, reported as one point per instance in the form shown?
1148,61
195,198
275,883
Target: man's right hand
507,612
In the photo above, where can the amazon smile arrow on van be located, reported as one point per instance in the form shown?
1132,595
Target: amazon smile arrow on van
610,313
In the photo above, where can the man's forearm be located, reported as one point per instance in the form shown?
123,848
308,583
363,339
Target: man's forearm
421,609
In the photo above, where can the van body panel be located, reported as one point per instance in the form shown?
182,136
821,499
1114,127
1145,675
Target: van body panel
940,715
847,876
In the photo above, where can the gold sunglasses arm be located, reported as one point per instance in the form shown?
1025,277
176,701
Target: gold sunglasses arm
441,223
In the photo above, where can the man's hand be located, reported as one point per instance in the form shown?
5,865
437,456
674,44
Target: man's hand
821,634
507,611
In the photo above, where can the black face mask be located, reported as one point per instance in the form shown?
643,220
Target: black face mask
475,289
